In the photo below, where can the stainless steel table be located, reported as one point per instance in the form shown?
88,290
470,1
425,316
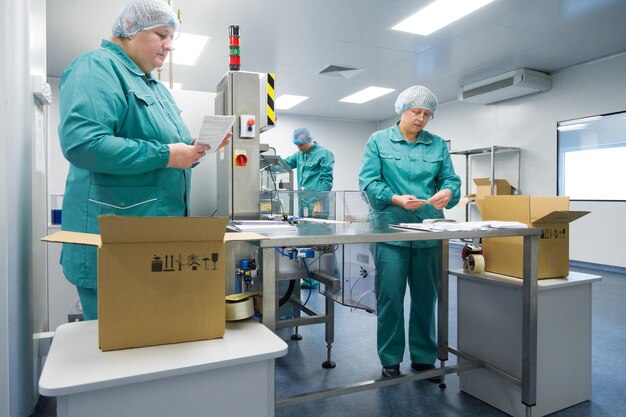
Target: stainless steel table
310,234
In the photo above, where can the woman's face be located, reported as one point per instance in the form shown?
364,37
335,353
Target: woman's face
415,119
149,48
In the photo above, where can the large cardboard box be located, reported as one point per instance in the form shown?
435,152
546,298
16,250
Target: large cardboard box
160,279
551,214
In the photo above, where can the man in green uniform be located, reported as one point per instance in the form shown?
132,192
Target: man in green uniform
313,164
314,168
408,176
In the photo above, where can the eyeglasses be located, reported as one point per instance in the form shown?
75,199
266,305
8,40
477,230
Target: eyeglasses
421,113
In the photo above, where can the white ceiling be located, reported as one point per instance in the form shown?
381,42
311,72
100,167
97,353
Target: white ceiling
296,39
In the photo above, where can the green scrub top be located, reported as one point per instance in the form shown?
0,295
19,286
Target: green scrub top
314,168
116,124
392,165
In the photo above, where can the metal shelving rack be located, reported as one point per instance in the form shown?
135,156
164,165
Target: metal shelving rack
492,151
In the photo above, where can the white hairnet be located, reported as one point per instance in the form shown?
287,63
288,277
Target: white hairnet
140,15
416,96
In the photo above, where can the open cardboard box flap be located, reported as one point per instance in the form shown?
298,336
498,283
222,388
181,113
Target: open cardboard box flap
561,217
77,238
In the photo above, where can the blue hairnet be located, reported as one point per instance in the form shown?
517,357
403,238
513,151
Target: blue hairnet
140,15
416,96
302,136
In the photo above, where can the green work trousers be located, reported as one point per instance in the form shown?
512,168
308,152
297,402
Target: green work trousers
89,301
395,266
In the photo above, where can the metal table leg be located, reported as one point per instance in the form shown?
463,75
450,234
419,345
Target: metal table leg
269,288
529,324
442,306
330,332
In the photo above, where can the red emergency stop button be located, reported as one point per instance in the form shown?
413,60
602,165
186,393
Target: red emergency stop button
241,160
251,122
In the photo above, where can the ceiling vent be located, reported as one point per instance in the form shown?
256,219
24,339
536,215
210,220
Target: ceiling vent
339,71
506,86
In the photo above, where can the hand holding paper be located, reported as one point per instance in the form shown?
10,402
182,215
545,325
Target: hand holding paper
214,130
407,202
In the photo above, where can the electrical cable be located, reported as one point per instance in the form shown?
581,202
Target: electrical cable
363,296
293,313
287,296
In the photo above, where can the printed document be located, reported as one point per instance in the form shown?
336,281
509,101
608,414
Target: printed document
213,130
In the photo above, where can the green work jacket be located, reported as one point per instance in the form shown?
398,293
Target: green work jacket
116,124
392,165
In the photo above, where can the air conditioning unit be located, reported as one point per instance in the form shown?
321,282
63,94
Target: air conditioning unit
506,86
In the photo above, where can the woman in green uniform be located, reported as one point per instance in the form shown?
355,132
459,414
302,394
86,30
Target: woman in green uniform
408,176
129,151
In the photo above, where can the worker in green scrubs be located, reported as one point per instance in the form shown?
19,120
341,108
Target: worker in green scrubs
129,151
314,168
408,176
314,163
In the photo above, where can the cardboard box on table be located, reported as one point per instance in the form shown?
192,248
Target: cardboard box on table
551,214
160,279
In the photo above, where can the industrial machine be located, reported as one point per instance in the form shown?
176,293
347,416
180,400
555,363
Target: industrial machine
254,192
250,97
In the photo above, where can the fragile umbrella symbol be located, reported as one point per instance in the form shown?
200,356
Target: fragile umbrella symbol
206,263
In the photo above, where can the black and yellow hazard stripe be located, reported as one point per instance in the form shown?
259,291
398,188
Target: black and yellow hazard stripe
271,116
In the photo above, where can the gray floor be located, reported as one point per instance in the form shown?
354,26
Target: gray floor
354,352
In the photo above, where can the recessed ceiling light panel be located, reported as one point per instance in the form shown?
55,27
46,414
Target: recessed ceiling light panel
367,94
438,14
287,101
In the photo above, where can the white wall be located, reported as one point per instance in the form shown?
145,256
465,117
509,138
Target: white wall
530,123
344,138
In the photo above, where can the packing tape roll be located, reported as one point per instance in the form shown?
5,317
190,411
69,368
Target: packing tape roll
239,310
476,263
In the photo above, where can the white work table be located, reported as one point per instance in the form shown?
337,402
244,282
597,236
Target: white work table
202,378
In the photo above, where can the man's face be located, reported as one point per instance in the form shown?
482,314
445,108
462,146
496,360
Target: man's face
304,147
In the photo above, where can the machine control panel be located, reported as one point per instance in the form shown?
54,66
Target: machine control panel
247,126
